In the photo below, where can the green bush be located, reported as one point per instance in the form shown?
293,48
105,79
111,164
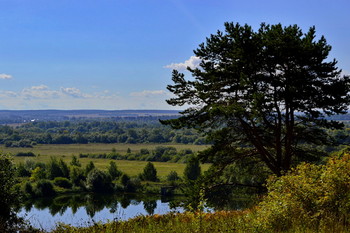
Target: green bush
76,175
25,154
113,170
312,196
44,188
149,172
28,189
99,182
62,182
172,176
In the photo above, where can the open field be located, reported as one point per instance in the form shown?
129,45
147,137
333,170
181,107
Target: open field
94,148
131,168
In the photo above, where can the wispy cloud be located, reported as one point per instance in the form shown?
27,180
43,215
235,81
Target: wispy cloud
5,76
192,62
148,93
44,97
73,92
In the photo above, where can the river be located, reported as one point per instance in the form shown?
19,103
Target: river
87,209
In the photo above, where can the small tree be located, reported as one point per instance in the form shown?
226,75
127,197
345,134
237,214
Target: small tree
54,169
149,172
98,181
192,170
113,170
173,176
75,161
89,167
8,196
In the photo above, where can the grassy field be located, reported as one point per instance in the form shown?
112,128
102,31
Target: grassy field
131,168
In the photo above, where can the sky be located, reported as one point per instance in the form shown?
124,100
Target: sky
119,54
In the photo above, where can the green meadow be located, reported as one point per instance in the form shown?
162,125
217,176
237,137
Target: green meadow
132,168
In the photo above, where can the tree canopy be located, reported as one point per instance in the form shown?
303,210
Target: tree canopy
262,95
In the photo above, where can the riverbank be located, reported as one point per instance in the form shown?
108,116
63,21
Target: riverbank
223,221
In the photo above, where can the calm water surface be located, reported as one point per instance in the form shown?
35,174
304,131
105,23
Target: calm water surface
85,210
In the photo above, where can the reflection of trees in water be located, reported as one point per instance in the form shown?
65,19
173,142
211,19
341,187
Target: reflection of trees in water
125,202
150,206
93,203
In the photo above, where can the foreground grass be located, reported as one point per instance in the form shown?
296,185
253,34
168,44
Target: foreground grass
222,221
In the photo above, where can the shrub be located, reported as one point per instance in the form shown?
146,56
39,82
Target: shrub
25,154
310,195
54,169
76,175
98,181
75,161
89,167
44,188
28,189
22,171
8,196
37,174
149,172
113,170
62,182
172,176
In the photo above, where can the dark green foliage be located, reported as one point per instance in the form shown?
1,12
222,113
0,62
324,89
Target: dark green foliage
172,176
64,168
44,188
27,154
149,172
54,169
192,170
62,182
134,130
28,189
22,171
130,185
76,175
89,167
75,161
124,179
99,182
8,196
262,94
113,170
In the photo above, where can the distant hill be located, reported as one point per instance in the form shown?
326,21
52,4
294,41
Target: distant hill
21,116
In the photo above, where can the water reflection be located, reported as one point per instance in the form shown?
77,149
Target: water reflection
89,208
86,209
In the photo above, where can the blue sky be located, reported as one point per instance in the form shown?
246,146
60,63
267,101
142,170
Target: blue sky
118,54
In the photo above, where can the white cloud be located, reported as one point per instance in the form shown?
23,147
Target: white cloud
40,87
39,92
148,93
193,62
8,94
72,91
44,97
5,76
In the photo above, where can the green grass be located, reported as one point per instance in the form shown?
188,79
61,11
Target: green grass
75,149
131,168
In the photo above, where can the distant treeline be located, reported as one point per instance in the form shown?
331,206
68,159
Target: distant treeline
141,130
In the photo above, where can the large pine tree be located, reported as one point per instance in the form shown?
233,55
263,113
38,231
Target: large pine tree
261,95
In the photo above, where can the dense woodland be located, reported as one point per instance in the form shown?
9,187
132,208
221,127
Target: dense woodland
137,130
